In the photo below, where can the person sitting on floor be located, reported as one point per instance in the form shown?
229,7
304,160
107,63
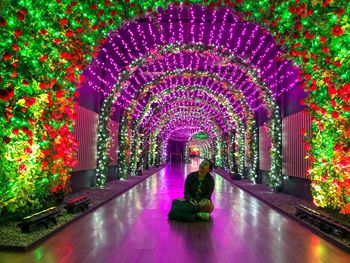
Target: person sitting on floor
197,204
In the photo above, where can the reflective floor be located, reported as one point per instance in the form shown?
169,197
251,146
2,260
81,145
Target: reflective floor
134,228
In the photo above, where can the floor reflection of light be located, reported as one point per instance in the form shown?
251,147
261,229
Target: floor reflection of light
218,182
97,226
275,219
254,213
316,248
242,229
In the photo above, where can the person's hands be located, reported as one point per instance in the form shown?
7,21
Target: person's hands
206,205
193,202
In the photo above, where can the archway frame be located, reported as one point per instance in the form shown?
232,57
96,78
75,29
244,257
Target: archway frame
268,16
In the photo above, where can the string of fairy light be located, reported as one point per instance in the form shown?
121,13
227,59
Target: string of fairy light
39,76
274,170
148,60
173,115
168,113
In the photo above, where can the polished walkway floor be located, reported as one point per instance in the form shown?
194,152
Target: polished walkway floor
134,228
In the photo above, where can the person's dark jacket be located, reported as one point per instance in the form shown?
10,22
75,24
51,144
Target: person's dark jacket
198,190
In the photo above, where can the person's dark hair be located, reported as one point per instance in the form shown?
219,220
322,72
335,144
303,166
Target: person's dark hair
211,164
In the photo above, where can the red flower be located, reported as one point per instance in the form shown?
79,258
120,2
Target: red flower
15,131
29,101
307,76
313,87
79,30
57,40
59,94
335,182
335,115
3,21
337,30
339,12
29,134
322,39
18,33
110,21
64,21
103,41
346,108
324,178
81,78
326,3
7,56
31,121
292,9
337,148
325,49
44,165
53,134
113,12
307,146
42,85
69,33
69,10
71,77
298,26
22,168
6,94
93,7
43,31
15,47
94,27
43,58
66,55
24,11
21,15
14,74
345,210
6,140
25,82
28,150
333,103
337,64
100,12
